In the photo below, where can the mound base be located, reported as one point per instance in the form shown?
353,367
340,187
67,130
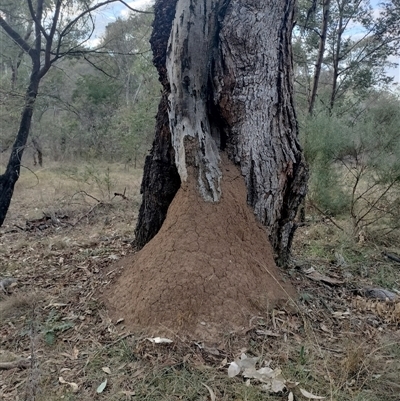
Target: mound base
207,272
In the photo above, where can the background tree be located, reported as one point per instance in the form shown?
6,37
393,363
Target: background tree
349,44
227,88
60,29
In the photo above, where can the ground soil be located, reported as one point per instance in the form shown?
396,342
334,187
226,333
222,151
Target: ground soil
338,343
208,271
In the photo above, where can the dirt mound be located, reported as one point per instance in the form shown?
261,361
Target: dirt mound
208,270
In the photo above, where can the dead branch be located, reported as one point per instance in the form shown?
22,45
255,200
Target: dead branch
390,256
121,195
85,193
86,214
325,215
20,364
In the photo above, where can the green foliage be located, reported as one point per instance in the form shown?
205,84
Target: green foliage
96,90
101,109
105,112
53,326
92,176
324,138
354,160
358,48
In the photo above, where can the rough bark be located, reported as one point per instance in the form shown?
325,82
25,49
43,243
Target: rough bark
229,67
253,79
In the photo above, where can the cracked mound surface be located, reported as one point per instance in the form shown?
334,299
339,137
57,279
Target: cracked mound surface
208,270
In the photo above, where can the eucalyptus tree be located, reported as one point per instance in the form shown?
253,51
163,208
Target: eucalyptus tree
348,43
226,71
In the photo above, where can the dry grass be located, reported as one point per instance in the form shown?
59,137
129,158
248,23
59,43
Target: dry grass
16,305
330,346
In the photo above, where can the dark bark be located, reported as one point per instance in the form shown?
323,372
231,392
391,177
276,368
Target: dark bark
161,180
229,65
256,100
11,175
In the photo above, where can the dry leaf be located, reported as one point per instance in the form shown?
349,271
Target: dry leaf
273,379
75,353
340,315
101,387
159,340
316,276
107,370
212,395
310,396
268,333
233,370
74,386
290,397
128,393
54,305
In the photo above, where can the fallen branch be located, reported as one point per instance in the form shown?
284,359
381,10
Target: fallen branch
85,193
21,364
86,214
390,256
325,215
121,195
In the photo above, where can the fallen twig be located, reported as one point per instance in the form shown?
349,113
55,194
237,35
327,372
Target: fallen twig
20,363
85,193
326,216
121,195
390,256
86,214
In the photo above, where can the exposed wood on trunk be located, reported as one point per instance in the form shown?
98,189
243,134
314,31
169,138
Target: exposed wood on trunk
188,66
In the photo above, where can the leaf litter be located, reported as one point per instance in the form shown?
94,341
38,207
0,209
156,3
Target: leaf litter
272,380
61,270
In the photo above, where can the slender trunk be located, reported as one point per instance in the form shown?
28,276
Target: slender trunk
11,175
336,59
321,50
227,74
37,151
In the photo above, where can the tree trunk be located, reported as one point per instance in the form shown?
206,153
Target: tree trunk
37,151
321,50
227,72
11,175
160,177
336,58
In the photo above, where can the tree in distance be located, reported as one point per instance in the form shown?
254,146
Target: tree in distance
60,29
